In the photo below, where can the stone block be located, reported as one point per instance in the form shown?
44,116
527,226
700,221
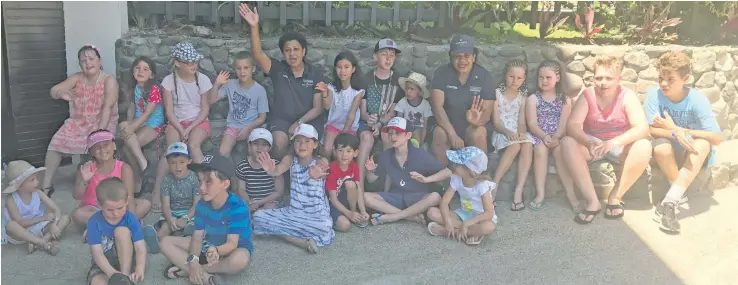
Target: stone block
576,67
724,62
642,86
655,51
703,61
637,60
706,80
720,79
589,63
491,51
533,55
511,51
549,53
420,50
628,74
720,109
220,55
649,74
712,93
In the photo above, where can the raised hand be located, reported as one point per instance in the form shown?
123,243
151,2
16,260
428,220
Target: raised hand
266,161
474,114
370,165
321,86
87,170
222,78
418,177
318,171
251,17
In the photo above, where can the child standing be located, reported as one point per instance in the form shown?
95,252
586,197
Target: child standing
343,105
115,237
186,106
415,107
255,186
342,185
101,145
476,218
145,113
221,243
508,117
180,192
306,222
30,216
547,111
247,102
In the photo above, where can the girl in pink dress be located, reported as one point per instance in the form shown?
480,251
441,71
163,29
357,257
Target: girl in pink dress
93,95
103,165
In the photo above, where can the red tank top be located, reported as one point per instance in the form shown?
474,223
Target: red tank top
605,124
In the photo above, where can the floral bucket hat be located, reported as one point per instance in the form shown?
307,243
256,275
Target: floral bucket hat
472,157
186,52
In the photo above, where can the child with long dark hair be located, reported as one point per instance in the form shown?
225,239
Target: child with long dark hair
342,99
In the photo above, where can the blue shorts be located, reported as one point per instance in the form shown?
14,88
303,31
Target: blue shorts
465,215
402,200
680,154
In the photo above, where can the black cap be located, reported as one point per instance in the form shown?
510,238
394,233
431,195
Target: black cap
215,162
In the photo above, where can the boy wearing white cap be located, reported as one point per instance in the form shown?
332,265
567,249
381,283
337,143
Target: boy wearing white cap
29,215
254,185
415,107
408,195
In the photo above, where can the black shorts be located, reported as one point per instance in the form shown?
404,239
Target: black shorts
342,198
432,125
112,257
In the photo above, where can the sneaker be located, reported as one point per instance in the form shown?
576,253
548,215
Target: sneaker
120,279
669,222
658,212
152,239
189,228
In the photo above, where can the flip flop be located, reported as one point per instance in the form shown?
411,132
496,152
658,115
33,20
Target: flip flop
517,207
586,213
538,207
474,240
174,273
216,279
362,224
577,209
620,206
430,228
376,219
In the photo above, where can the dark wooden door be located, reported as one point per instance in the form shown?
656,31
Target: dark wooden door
34,60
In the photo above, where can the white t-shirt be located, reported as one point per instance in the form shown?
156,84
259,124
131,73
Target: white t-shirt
342,101
415,115
186,97
471,198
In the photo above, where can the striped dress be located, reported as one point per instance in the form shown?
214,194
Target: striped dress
307,216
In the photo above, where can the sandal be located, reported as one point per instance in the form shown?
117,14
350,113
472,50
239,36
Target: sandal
173,274
215,279
376,219
620,206
577,209
156,208
586,213
536,206
49,192
430,228
362,224
519,206
474,240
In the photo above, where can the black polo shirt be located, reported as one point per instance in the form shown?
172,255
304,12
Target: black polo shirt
458,97
293,97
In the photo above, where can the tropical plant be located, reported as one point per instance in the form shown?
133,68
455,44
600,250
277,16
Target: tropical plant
588,30
549,20
653,27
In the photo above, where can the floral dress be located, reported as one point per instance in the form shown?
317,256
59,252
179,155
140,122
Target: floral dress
509,112
84,115
308,214
548,114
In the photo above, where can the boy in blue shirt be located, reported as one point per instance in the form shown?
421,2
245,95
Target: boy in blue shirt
222,237
684,129
409,170
115,238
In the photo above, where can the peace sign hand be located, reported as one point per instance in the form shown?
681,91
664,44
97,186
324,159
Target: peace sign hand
370,165
251,17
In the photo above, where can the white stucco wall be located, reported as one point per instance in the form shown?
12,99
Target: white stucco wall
94,22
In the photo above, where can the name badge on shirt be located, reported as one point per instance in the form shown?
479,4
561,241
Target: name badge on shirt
475,89
452,87
307,83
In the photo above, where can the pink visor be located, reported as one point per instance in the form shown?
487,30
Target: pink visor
99,137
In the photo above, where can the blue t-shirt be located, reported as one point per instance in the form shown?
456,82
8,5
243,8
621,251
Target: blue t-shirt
232,218
154,97
418,160
244,105
99,231
694,112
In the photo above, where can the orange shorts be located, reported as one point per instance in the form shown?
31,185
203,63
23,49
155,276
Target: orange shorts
204,125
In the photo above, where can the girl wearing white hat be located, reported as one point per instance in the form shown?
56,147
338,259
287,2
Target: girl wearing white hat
30,216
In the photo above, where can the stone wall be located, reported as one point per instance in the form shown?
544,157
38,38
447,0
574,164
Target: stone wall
715,69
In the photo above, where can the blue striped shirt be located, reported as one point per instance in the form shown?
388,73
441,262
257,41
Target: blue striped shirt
232,218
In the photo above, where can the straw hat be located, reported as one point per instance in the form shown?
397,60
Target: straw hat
419,80
17,172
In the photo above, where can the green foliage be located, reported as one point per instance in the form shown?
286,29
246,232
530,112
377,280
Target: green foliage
654,24
588,30
550,19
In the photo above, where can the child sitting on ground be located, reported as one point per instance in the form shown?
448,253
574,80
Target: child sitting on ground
101,146
115,237
255,186
342,185
221,243
247,102
180,192
476,218
306,222
414,107
342,99
30,216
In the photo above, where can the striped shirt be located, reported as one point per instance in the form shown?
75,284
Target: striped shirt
232,218
259,184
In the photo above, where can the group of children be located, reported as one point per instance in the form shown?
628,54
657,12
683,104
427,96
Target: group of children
216,204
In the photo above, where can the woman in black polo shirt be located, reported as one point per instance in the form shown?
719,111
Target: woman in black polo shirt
462,98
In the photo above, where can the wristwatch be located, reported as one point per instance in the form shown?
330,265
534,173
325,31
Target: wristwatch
192,258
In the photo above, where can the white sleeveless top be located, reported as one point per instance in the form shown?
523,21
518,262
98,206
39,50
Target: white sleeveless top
32,210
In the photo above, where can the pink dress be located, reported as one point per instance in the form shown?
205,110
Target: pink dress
90,196
84,116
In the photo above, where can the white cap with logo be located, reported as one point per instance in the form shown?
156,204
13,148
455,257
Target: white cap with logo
305,130
261,133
